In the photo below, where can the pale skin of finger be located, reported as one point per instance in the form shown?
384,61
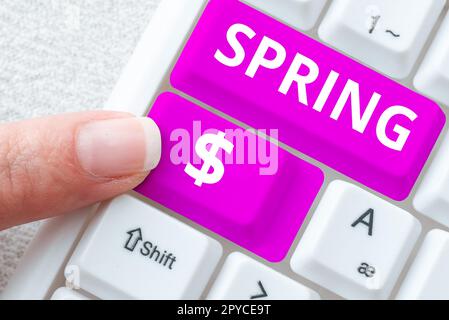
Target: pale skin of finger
56,164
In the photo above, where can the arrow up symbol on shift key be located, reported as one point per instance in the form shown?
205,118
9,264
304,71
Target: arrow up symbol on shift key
134,237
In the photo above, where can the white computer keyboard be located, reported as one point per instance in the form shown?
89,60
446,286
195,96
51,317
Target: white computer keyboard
358,204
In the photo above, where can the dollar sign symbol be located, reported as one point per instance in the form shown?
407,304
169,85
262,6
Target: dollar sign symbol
216,141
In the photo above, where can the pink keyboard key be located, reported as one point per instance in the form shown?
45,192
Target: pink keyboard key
258,198
324,104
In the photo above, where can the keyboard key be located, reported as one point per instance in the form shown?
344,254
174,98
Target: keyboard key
356,244
325,105
432,78
301,14
67,294
133,251
384,34
228,180
432,198
243,278
428,278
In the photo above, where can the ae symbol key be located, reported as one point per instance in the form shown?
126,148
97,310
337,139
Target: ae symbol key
356,243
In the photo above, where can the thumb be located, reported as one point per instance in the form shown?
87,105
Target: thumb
52,165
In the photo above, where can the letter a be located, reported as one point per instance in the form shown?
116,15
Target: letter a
369,223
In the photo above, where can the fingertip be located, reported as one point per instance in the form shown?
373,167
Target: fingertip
153,144
119,147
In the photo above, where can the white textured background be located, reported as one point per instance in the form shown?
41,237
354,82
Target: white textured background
58,56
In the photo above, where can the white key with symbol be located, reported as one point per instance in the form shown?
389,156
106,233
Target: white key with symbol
68,294
133,251
428,278
300,14
370,31
432,78
356,243
243,278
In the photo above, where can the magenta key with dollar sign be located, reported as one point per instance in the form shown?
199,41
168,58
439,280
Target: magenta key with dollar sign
229,180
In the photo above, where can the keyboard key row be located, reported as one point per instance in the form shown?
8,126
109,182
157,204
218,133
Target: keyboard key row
324,104
133,251
243,278
351,247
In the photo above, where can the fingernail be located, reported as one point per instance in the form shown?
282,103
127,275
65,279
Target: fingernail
119,147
